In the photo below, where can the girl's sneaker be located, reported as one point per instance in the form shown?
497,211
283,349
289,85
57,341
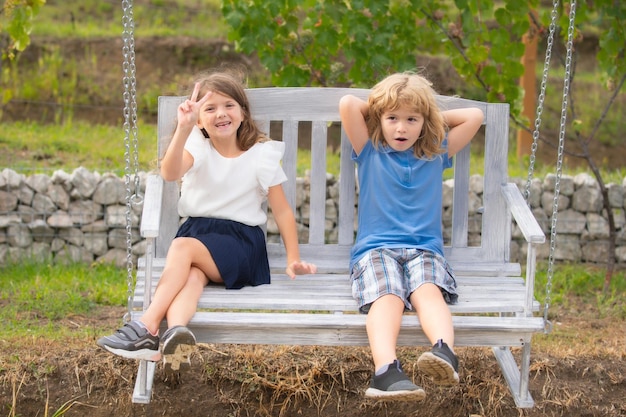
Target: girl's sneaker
132,341
441,364
178,344
393,384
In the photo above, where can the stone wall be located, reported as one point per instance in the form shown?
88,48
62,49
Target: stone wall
81,216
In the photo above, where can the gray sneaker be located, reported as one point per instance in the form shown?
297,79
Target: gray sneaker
178,344
440,364
394,385
132,341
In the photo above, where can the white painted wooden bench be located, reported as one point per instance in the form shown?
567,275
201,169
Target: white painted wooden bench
496,303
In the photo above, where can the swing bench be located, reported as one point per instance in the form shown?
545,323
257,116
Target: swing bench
496,306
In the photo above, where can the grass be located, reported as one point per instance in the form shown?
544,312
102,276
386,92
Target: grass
37,299
44,147
97,18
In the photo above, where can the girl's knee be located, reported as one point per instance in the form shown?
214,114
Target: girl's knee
197,277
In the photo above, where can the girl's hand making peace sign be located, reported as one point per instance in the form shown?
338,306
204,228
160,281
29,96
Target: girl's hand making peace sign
189,109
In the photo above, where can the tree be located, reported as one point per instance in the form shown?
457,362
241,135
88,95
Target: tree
331,43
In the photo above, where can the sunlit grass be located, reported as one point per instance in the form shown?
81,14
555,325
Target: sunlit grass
36,296
68,146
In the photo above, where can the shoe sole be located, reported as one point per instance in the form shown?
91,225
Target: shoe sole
438,369
141,354
404,395
177,351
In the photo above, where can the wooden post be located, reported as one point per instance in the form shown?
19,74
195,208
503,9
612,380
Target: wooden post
528,83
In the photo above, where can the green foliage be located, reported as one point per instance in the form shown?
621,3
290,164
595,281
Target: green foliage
36,296
315,42
17,20
609,17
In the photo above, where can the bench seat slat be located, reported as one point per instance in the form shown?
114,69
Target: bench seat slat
333,293
349,329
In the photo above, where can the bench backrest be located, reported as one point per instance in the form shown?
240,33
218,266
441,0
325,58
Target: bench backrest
288,107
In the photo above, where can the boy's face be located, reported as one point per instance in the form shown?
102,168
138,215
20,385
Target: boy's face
401,128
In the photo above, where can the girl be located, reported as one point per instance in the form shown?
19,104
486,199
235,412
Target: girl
401,148
228,169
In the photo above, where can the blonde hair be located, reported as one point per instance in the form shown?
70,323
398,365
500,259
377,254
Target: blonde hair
231,84
416,92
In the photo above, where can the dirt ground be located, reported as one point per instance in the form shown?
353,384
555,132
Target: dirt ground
577,370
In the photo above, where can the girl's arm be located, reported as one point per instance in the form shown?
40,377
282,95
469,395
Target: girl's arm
353,112
177,160
463,125
288,231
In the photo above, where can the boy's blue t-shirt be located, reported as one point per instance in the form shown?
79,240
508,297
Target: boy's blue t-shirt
400,200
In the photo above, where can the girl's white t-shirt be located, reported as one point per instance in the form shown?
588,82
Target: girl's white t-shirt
230,188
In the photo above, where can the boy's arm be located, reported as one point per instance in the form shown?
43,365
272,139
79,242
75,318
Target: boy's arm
463,125
353,112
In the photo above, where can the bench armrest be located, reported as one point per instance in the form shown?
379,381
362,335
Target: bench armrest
151,215
522,214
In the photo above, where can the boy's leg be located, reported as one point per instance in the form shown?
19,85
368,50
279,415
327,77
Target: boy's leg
383,326
434,315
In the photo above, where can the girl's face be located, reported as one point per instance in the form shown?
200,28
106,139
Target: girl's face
401,128
221,117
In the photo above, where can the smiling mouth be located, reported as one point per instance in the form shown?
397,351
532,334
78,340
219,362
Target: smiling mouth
222,124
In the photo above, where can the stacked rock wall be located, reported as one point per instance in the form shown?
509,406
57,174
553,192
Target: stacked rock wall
82,216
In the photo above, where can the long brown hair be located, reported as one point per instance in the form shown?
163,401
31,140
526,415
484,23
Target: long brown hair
412,90
228,84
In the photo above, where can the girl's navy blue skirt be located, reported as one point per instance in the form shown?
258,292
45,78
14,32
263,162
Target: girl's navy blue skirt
239,250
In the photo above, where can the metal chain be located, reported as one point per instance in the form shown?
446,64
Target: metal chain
130,140
559,166
561,147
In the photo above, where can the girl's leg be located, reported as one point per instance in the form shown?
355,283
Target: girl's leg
383,326
183,307
187,260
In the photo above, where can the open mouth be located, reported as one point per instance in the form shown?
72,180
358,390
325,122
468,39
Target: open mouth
222,124
401,139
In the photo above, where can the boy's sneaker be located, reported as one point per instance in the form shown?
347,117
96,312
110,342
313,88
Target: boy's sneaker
178,344
393,384
132,341
441,364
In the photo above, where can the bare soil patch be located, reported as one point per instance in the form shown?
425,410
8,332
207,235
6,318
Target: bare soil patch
577,370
